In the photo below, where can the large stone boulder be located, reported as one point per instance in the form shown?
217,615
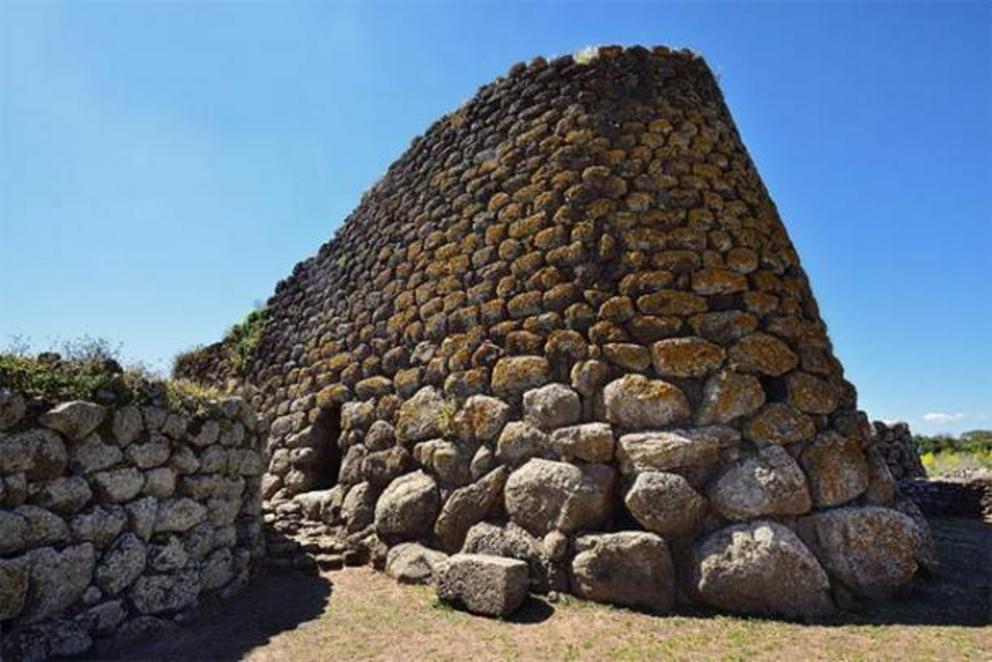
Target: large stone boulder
39,454
663,451
520,441
728,396
74,419
760,567
481,418
871,551
154,594
665,503
13,586
467,506
412,563
511,541
763,354
422,416
543,495
837,469
588,442
769,483
636,402
121,564
58,579
630,568
552,406
779,423
512,375
486,585
407,508
686,357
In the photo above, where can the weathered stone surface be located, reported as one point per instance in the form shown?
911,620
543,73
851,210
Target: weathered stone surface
481,419
511,541
64,495
759,568
486,585
767,484
811,394
91,454
837,469
662,451
13,586
154,594
178,514
74,419
41,527
544,495
871,551
358,508
141,516
665,503
552,406
40,454
152,453
686,357
217,569
630,568
12,408
513,375
763,354
58,579
103,618
589,442
119,485
521,441
121,564
636,402
99,525
779,423
723,327
422,416
467,506
408,507
127,425
412,563
160,482
728,396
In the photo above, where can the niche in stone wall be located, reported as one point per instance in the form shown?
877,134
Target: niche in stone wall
324,439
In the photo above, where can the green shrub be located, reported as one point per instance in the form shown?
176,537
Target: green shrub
244,337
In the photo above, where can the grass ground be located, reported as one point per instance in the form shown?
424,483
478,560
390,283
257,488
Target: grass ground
357,613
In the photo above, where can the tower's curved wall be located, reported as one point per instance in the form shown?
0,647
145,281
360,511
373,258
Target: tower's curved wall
588,250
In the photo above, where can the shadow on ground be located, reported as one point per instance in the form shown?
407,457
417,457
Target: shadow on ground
272,604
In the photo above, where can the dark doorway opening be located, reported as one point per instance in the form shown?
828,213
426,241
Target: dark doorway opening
325,432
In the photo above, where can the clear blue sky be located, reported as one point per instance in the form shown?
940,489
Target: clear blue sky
162,165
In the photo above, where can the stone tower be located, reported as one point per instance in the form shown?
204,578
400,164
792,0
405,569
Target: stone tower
568,325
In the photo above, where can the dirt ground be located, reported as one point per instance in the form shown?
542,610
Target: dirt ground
357,613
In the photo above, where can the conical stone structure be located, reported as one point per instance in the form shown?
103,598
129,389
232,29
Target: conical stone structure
568,326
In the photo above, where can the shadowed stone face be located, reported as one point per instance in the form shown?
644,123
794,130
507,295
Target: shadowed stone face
576,280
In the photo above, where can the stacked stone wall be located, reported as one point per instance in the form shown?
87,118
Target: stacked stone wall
895,445
116,522
569,309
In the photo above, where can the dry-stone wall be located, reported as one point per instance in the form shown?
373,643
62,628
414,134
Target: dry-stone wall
895,444
568,326
118,521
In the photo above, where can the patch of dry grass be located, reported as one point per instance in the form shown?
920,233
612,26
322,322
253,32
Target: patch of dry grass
371,617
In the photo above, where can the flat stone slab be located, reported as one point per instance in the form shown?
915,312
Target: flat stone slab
483,584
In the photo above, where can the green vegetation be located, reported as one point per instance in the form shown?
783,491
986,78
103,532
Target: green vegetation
943,454
90,369
244,337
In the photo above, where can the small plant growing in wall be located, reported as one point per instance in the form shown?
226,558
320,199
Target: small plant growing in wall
244,338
